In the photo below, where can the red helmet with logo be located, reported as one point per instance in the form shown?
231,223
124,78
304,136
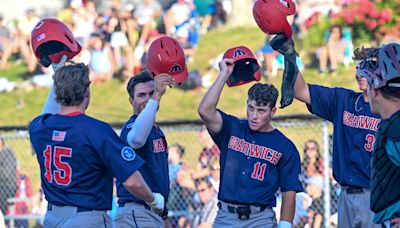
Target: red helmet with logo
51,39
165,55
270,16
246,66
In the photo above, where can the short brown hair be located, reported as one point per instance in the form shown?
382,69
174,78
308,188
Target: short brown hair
142,77
263,94
363,52
71,83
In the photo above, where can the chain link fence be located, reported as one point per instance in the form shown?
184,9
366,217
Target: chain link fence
193,157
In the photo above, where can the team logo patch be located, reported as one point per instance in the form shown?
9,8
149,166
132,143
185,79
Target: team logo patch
176,68
128,154
238,52
41,37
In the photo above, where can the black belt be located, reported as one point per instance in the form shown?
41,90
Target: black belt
80,209
354,190
243,211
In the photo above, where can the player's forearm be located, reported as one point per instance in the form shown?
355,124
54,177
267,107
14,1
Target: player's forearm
142,126
51,106
301,91
136,185
208,105
288,206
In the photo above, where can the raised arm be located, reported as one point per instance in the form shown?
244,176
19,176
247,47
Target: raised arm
286,47
301,90
51,106
208,106
142,126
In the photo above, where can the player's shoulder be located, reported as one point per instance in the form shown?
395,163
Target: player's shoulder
95,124
340,90
284,140
39,120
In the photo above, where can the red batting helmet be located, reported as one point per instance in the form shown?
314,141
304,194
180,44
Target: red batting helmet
270,16
246,66
51,39
165,55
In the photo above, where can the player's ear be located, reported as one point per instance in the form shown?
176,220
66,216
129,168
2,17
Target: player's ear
273,111
131,100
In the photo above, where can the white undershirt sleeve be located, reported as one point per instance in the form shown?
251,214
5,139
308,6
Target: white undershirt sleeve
142,126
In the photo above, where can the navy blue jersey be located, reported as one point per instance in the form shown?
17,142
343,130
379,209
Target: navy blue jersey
155,170
78,158
353,134
254,165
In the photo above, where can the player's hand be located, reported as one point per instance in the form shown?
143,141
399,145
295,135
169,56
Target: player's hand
161,82
60,64
226,67
158,204
283,45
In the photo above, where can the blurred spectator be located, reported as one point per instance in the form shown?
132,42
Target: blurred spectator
303,202
8,175
312,162
25,26
100,59
209,151
209,200
175,154
333,51
6,43
269,57
205,8
214,178
21,200
314,188
181,198
177,16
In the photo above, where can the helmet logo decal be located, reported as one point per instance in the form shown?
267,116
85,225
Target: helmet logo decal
283,2
176,68
41,37
39,24
238,52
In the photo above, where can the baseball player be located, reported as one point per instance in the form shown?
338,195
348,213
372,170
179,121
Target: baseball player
148,140
353,136
382,71
256,158
79,156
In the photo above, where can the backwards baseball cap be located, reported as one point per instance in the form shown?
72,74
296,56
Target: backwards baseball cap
381,66
270,16
246,67
165,55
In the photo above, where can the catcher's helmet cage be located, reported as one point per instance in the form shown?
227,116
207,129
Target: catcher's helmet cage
165,55
246,67
270,16
51,39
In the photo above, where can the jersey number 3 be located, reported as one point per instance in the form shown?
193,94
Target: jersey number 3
62,172
369,145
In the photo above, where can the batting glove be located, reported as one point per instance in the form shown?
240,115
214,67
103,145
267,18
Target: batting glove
285,46
158,204
60,64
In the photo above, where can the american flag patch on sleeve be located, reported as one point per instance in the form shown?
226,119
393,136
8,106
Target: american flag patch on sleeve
58,135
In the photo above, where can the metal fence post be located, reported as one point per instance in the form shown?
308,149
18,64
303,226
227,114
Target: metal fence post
327,195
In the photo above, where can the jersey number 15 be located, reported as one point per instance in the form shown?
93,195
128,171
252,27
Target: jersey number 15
53,157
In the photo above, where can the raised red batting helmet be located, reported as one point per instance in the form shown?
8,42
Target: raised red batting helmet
165,55
246,66
270,16
51,39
